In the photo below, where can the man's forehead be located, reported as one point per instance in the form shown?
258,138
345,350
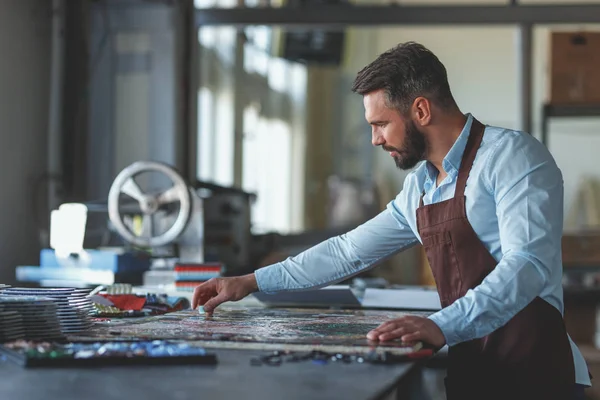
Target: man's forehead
375,107
376,98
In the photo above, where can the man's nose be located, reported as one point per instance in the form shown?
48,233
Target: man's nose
376,138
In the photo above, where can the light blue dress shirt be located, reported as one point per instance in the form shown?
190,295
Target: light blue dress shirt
514,201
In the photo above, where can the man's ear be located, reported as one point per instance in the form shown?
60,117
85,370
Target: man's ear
421,111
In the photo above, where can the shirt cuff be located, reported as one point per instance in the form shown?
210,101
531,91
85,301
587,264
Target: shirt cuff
266,279
446,321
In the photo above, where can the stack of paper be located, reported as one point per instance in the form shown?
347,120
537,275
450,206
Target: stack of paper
407,298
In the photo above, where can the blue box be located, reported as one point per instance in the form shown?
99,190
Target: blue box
99,260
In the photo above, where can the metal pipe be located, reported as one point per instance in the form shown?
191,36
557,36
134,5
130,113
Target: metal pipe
341,15
188,148
55,128
525,54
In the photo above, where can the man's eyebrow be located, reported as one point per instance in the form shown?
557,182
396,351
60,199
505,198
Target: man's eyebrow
377,122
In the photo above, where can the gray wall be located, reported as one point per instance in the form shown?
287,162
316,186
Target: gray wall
24,84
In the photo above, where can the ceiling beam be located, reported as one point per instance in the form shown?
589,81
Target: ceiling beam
343,15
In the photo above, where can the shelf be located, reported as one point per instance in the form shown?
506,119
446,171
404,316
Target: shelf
580,294
572,110
580,268
565,111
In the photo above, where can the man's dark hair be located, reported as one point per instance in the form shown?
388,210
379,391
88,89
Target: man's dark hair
406,72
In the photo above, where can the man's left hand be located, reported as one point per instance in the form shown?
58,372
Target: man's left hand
409,329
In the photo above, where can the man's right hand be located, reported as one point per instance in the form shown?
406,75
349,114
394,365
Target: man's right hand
219,290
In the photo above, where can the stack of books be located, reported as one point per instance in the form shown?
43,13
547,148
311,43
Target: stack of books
188,276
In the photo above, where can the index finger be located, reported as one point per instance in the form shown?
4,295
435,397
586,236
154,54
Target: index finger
202,293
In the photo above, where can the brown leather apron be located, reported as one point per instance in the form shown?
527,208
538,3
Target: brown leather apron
529,357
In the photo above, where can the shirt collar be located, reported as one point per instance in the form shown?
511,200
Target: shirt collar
452,161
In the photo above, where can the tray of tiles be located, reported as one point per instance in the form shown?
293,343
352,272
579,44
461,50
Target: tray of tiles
261,329
35,354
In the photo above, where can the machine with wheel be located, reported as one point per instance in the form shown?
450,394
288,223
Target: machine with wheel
155,219
166,218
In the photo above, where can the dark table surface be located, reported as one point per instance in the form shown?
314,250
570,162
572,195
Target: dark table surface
232,378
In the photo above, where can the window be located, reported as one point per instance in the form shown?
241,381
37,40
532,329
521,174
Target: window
270,93
224,139
216,112
215,136
206,142
267,171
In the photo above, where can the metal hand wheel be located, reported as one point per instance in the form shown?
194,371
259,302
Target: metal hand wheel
149,204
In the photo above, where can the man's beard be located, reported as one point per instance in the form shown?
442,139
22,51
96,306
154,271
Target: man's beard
414,148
